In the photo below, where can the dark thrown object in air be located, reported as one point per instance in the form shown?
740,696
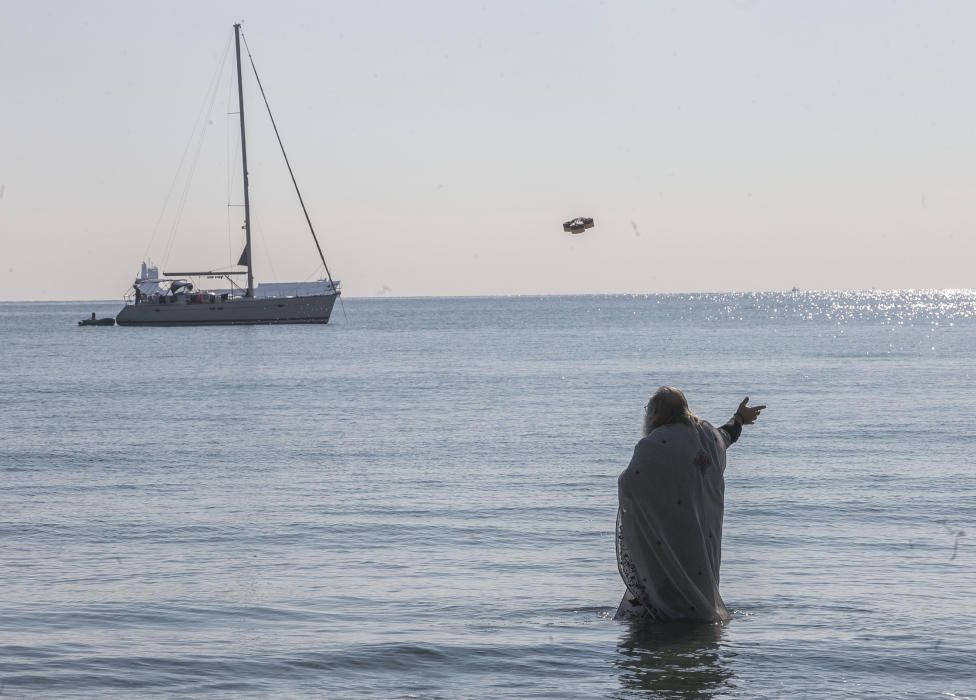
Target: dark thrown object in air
109,321
578,225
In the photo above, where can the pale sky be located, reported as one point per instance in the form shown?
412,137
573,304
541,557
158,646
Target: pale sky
440,145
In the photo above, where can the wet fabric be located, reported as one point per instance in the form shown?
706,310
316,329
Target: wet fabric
669,524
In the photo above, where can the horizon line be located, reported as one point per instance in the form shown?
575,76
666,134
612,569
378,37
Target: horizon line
538,295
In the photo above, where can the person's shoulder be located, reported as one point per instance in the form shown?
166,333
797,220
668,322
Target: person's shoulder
711,430
649,441
706,426
649,449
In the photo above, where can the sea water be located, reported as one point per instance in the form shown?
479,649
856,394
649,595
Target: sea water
418,500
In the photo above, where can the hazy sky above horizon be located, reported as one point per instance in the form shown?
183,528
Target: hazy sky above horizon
440,145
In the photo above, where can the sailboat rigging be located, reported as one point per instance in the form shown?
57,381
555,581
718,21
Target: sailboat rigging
171,300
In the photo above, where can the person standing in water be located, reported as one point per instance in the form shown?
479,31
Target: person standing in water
669,521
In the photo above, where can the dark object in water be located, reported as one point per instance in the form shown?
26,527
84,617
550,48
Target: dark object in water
578,225
97,321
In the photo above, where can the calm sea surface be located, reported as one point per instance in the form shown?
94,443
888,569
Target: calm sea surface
418,502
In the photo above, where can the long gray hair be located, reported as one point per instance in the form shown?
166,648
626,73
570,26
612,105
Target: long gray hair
668,405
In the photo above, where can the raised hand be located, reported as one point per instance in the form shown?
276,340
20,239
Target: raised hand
748,414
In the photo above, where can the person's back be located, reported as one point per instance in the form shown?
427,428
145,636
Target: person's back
669,523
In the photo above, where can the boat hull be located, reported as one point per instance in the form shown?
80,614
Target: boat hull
233,312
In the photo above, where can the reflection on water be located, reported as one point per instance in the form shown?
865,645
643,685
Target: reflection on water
672,660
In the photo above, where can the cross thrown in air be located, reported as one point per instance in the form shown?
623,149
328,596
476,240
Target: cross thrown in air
578,225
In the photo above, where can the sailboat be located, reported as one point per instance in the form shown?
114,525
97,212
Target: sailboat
172,299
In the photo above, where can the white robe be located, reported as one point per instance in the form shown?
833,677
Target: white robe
669,524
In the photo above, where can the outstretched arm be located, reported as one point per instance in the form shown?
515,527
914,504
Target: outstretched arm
744,415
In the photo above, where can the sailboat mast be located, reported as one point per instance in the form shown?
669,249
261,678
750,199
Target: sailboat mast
247,199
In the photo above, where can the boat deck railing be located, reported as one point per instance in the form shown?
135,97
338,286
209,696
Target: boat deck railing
204,298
